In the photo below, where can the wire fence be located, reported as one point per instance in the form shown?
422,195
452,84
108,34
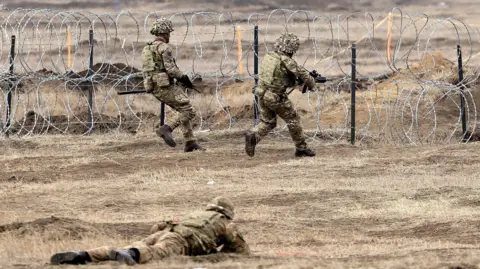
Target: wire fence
408,88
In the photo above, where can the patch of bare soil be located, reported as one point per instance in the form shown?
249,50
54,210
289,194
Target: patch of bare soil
462,232
25,177
54,168
64,228
120,75
236,116
348,207
460,266
18,144
432,67
34,123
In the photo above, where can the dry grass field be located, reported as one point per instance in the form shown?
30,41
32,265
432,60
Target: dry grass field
363,206
349,207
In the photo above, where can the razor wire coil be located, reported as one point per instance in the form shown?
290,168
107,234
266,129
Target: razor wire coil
406,69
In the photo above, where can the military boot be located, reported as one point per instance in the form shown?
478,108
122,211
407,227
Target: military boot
165,132
193,145
128,257
250,143
304,153
70,257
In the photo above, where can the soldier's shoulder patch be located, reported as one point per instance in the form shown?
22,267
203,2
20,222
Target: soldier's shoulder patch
169,53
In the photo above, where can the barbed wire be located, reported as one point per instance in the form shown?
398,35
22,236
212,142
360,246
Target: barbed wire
406,68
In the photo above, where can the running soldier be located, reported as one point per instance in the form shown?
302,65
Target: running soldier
159,72
279,72
199,233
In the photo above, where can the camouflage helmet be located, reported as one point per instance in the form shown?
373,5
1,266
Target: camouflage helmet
161,26
287,42
222,205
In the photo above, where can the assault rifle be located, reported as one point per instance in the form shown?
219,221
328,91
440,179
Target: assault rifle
184,81
317,77
132,92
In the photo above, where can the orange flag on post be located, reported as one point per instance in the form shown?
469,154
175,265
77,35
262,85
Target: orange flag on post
239,52
389,38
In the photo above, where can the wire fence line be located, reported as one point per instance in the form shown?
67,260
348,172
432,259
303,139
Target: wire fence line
407,80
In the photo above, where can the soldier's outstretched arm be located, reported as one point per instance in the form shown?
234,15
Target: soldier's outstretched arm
234,243
170,65
298,71
160,226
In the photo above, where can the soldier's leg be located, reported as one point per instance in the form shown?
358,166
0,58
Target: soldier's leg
175,98
169,244
166,130
187,128
287,112
128,254
268,122
134,253
70,257
81,257
158,246
179,102
100,254
186,115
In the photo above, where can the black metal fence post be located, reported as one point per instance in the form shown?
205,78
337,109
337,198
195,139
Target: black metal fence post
162,114
90,89
462,94
11,86
353,86
255,73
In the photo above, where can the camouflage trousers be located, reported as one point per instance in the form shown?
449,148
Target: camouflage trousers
174,97
157,246
272,105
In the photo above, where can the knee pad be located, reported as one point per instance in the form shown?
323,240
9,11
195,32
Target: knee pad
271,124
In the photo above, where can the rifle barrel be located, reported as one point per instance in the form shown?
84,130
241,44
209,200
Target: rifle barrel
131,92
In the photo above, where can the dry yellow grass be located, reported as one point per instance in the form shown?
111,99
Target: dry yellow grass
349,207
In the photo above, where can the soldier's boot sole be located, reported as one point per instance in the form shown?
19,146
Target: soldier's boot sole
165,132
193,146
305,153
69,257
122,257
250,143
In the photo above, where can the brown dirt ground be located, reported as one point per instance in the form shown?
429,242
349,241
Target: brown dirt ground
361,206
36,124
349,207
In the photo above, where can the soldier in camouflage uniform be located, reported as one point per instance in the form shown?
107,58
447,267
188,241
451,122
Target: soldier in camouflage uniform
279,72
159,72
199,233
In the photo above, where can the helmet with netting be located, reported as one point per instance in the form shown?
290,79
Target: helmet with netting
287,42
222,205
161,26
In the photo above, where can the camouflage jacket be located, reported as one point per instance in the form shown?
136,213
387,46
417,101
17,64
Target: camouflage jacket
158,64
205,232
279,72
